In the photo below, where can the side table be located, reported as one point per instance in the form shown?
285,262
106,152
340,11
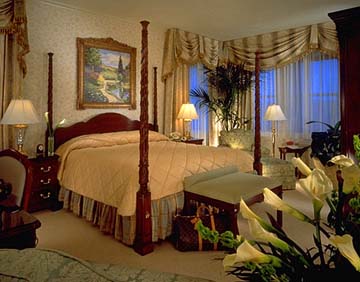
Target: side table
18,230
297,150
194,141
43,184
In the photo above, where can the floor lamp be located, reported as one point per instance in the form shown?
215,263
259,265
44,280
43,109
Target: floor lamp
274,113
20,113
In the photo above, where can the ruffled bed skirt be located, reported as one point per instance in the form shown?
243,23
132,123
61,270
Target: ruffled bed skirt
123,228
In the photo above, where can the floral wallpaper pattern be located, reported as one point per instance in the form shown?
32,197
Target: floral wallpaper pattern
54,28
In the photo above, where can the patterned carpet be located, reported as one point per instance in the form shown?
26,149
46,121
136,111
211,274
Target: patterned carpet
40,265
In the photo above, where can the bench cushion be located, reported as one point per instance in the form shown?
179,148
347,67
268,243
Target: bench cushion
229,187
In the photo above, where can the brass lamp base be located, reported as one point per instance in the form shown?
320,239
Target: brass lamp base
187,129
20,135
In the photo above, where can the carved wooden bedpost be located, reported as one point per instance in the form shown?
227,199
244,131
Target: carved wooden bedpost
50,97
257,151
143,239
156,127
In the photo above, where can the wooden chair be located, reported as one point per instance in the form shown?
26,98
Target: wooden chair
13,170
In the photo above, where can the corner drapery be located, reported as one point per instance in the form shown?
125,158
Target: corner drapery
13,21
275,49
13,48
183,47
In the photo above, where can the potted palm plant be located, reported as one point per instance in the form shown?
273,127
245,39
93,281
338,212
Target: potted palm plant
326,144
225,97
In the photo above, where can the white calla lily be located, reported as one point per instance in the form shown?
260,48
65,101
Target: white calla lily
345,245
246,212
342,160
260,234
304,169
277,203
62,122
316,186
247,253
351,176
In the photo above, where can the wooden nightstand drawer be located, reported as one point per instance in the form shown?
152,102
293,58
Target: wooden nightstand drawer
41,180
44,185
46,168
42,198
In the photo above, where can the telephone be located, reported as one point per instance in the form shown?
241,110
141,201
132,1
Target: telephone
175,136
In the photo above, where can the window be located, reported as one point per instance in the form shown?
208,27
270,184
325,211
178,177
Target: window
306,90
200,126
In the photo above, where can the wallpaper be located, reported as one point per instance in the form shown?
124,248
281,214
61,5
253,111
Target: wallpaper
54,28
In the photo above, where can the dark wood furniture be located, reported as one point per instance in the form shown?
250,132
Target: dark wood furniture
44,187
41,184
297,150
102,123
12,153
108,122
194,141
228,208
348,30
18,230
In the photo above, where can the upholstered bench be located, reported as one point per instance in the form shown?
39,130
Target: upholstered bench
223,188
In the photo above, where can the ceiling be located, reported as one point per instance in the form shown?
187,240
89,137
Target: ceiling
219,19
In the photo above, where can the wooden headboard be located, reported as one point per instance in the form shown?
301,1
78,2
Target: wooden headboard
102,123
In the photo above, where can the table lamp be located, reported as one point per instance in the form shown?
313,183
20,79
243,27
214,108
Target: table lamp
274,113
20,113
187,113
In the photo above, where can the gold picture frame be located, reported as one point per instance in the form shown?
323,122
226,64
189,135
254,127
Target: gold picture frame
106,72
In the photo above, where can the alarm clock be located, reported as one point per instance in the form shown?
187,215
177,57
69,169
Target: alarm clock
40,151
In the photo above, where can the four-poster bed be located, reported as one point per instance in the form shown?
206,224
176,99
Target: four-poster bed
152,205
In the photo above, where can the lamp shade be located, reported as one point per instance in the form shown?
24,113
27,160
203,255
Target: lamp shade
274,112
187,112
20,111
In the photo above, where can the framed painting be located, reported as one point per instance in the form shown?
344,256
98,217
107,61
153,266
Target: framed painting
106,74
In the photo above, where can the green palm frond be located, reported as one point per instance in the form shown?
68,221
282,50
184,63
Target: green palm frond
228,82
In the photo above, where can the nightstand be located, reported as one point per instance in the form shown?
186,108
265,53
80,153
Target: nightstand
194,141
42,191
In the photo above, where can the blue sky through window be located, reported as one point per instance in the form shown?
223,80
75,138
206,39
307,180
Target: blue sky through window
316,94
199,127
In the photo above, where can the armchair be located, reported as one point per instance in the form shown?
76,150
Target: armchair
13,170
278,169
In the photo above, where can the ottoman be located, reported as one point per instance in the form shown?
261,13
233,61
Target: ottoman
281,170
223,188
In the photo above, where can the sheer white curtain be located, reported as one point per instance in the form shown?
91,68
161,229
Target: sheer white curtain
306,90
205,127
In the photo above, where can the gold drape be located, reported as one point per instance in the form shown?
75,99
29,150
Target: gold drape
275,49
183,47
13,21
13,48
176,93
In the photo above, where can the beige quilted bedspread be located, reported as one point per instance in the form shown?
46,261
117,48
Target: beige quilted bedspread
105,167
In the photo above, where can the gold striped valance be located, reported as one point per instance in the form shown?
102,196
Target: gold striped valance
275,49
13,21
182,47
280,48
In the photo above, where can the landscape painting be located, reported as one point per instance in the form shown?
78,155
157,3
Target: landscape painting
106,74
